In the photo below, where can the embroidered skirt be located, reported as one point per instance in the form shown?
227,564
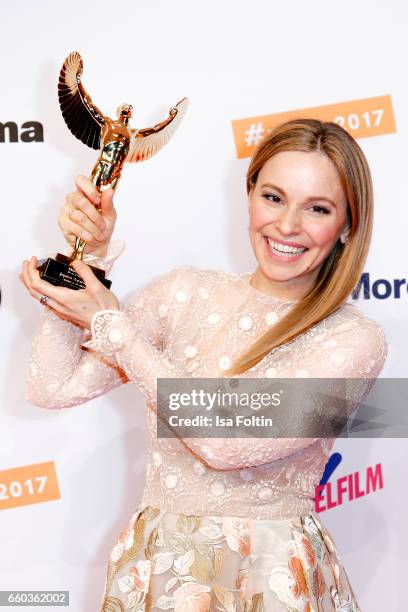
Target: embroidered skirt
168,561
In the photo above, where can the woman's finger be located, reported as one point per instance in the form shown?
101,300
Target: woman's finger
25,279
107,207
36,295
91,235
59,294
55,305
77,201
92,283
80,218
85,185
71,230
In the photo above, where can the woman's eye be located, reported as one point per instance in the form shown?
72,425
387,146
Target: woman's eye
272,195
325,210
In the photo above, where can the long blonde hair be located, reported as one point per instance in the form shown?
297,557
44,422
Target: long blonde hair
341,270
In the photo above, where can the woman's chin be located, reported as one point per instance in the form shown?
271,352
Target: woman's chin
276,270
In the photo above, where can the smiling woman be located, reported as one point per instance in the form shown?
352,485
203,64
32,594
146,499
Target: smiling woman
295,226
309,187
228,523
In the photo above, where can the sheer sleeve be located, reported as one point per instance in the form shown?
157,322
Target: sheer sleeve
66,370
135,337
62,372
356,349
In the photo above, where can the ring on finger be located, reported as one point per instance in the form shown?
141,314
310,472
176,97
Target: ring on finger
44,299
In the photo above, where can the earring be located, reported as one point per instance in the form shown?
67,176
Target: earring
345,238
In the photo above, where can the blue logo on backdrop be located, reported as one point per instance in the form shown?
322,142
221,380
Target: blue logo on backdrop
381,289
333,461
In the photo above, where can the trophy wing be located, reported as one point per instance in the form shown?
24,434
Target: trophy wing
147,141
81,115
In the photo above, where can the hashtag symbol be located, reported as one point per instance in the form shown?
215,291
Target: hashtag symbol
254,134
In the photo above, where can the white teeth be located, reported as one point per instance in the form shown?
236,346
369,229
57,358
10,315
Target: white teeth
284,248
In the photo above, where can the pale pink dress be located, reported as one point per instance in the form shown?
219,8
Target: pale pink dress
223,525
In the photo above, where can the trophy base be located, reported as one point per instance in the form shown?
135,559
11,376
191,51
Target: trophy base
59,272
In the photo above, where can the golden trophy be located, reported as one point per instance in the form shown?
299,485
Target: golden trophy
117,143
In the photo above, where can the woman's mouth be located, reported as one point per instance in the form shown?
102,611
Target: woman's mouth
282,251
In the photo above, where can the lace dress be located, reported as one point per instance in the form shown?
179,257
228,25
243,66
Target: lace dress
224,525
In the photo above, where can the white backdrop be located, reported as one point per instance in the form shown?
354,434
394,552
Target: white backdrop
187,205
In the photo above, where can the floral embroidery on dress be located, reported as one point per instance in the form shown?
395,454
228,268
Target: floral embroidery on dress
226,564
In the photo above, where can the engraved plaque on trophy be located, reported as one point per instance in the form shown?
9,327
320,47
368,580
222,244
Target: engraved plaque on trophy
117,143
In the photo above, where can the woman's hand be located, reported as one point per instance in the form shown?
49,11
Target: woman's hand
77,306
79,217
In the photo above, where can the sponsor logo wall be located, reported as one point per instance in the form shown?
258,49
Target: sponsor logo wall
70,479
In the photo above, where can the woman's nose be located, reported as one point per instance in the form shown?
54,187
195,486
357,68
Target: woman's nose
288,220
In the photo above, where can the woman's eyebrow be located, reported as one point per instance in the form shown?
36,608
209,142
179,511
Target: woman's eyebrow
272,186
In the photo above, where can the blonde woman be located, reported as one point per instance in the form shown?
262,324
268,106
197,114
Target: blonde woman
226,524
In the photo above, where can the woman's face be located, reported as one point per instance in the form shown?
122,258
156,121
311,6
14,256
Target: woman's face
298,200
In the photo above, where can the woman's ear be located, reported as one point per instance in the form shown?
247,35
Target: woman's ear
344,234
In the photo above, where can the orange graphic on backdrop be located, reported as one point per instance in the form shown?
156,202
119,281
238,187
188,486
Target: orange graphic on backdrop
29,484
361,118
